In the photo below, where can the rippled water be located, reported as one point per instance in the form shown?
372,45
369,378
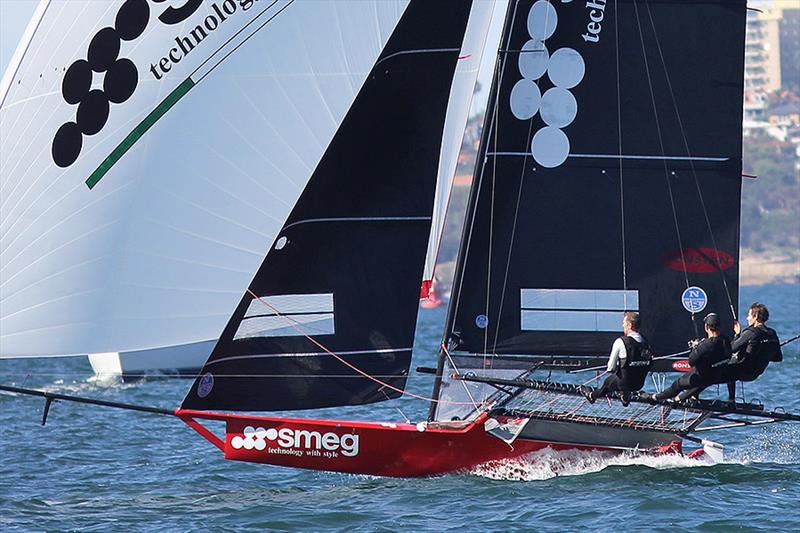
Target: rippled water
102,469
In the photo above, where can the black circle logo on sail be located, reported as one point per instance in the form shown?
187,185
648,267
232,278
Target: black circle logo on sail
67,144
104,49
93,112
77,82
119,83
121,76
132,19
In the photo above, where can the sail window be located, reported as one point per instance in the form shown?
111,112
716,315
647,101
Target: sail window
575,309
288,315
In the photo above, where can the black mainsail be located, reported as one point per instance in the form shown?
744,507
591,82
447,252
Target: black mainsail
608,179
339,289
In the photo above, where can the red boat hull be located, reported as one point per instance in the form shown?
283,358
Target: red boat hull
378,449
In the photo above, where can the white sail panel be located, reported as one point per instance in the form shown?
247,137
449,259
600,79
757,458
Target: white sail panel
184,199
457,113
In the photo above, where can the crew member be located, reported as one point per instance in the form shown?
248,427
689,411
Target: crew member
628,363
706,359
754,348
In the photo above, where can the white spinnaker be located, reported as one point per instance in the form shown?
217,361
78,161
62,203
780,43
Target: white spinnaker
457,113
159,252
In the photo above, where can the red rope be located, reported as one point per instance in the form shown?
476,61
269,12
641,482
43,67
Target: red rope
296,325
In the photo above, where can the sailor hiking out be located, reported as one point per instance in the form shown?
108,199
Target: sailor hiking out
753,348
628,363
707,359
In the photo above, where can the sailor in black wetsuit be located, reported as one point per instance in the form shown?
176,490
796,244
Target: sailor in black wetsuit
754,348
706,359
629,361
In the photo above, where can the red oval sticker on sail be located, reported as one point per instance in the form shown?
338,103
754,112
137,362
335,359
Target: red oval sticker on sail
681,366
697,260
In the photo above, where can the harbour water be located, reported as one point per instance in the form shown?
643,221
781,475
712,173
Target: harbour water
99,469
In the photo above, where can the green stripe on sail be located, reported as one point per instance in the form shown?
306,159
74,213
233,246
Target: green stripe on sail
137,132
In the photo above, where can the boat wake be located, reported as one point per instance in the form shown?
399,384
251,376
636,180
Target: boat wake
549,463
779,445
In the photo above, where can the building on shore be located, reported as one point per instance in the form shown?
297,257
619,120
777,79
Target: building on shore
762,61
789,33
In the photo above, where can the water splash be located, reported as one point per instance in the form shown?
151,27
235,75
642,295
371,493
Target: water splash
549,463
779,444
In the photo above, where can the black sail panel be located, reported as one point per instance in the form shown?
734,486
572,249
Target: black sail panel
338,292
610,179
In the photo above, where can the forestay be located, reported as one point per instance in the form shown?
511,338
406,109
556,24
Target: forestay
149,151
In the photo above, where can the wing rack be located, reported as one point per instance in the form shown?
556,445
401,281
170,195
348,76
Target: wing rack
544,400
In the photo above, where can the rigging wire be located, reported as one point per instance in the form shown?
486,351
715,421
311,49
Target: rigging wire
519,200
691,162
663,153
464,383
296,325
491,221
621,187
102,376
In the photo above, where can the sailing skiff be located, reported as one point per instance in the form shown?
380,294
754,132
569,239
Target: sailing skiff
608,180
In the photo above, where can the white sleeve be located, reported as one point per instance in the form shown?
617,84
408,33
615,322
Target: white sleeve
617,352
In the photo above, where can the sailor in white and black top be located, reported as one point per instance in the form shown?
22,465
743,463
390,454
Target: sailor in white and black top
628,363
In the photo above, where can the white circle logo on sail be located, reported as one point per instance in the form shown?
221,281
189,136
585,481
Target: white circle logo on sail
533,59
694,299
566,68
525,99
482,321
542,20
558,107
550,147
205,385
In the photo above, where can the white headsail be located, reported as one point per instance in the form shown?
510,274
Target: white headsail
149,153
457,113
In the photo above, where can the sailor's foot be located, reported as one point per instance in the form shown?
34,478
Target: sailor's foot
587,393
689,400
625,399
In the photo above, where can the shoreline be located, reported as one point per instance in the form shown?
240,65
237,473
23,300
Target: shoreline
766,269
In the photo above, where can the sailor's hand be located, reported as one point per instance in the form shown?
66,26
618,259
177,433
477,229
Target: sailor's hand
737,328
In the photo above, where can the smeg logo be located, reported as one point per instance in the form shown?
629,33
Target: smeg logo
121,75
